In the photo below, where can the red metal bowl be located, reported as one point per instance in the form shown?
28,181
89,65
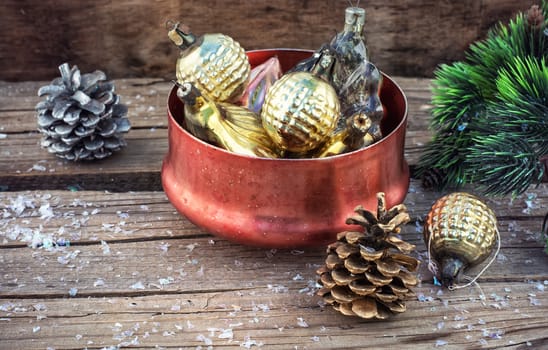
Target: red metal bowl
283,203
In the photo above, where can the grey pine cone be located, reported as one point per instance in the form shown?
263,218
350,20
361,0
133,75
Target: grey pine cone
81,117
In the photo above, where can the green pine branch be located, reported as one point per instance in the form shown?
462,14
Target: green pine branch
521,106
501,164
490,111
447,153
456,98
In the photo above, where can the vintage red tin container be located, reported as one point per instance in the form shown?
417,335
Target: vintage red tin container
283,203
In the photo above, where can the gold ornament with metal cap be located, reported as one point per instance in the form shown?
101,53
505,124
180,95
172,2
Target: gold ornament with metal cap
460,231
301,109
215,63
229,126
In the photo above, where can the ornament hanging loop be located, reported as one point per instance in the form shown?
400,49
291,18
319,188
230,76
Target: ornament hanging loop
473,280
433,266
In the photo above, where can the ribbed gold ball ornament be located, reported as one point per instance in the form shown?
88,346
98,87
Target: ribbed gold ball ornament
300,111
460,231
215,64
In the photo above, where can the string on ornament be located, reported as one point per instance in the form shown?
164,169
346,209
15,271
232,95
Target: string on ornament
433,266
352,5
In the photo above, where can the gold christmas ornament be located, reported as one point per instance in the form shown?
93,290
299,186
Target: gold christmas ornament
214,63
346,140
460,231
301,109
369,273
229,126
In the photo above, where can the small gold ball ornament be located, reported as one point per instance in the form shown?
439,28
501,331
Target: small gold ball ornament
215,63
460,231
300,111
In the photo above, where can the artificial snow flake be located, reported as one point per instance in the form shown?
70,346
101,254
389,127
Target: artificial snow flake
248,343
278,288
166,281
137,285
302,323
226,334
298,277
164,247
441,343
105,247
46,212
204,339
99,282
37,167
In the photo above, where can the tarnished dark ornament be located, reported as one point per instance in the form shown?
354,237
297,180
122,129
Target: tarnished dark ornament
357,82
226,125
360,123
81,117
460,231
349,47
215,63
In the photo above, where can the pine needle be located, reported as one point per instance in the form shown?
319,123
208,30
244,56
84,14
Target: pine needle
490,111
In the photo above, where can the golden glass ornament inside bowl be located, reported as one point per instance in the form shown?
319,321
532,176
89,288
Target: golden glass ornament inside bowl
283,203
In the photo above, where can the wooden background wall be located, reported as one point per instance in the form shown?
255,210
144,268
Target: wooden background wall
127,38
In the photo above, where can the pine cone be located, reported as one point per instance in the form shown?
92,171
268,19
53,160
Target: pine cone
81,117
368,274
434,179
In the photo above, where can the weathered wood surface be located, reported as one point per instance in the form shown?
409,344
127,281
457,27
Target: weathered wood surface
25,165
404,37
139,275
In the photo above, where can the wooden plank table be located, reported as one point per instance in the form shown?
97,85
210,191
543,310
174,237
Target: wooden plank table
136,274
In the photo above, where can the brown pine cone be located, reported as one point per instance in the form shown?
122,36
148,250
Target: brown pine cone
369,273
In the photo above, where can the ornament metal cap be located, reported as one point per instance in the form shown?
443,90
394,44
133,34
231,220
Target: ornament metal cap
354,19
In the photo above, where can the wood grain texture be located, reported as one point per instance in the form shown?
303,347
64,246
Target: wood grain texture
25,165
259,317
136,274
128,38
139,275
